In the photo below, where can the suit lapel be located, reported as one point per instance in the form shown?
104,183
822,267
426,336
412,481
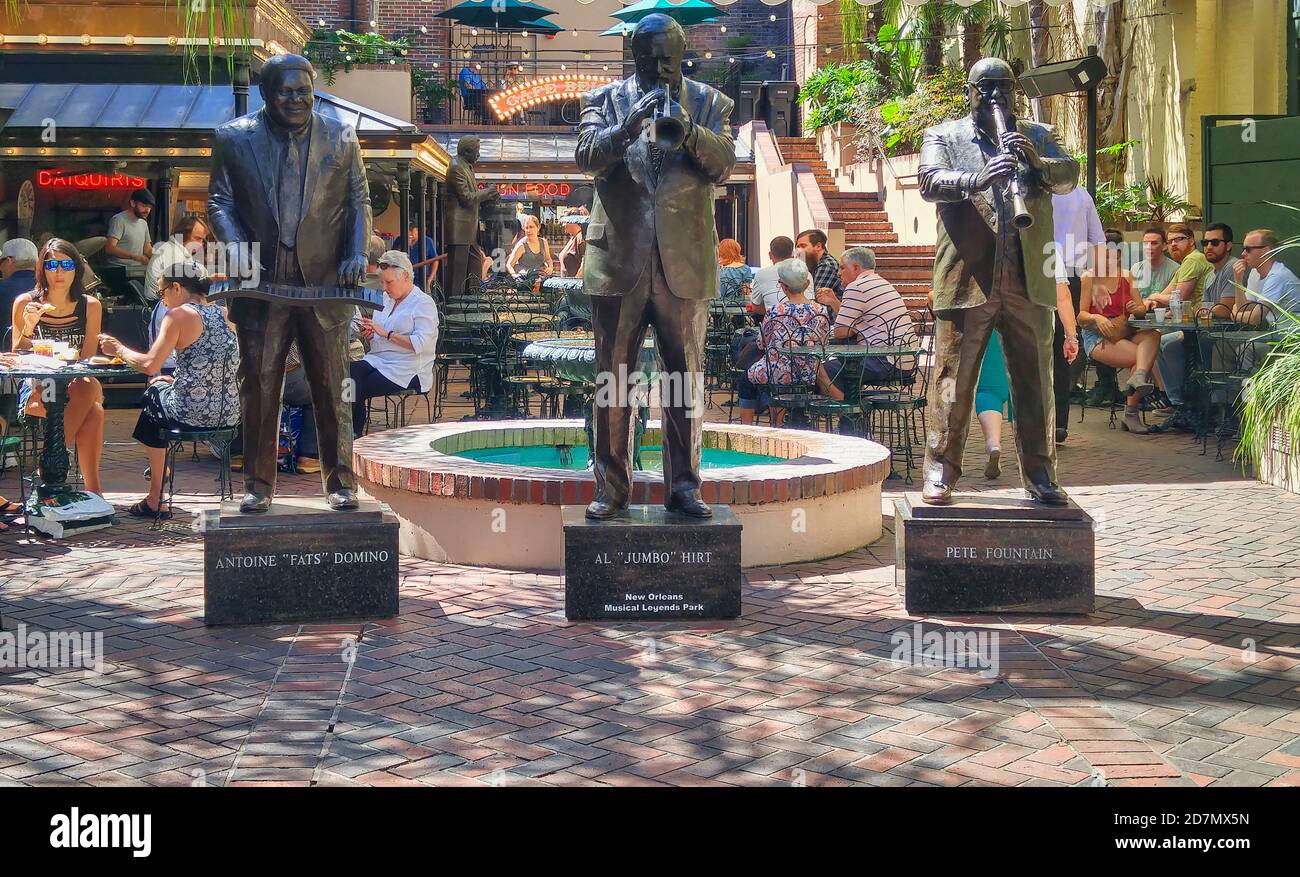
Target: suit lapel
257,146
982,201
317,152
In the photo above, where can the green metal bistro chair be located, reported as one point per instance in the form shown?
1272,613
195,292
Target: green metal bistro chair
853,410
796,349
219,439
898,406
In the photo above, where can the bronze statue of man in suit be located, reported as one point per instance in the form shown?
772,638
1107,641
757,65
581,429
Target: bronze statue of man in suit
651,245
460,209
289,188
988,274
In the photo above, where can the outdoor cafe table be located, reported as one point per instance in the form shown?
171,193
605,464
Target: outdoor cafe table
54,453
1198,405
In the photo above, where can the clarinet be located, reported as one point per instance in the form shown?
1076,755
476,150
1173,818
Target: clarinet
1023,218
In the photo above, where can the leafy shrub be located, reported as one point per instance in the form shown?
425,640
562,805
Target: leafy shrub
898,126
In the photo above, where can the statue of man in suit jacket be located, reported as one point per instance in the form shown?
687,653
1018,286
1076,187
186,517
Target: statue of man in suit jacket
651,242
288,188
990,274
460,209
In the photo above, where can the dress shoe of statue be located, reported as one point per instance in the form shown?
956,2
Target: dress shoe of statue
688,502
253,503
602,508
937,489
1048,493
343,500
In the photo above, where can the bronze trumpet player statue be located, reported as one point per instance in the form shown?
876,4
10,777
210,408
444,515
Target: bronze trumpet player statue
992,177
650,253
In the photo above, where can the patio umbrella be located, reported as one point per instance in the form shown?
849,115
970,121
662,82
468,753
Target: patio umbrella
496,14
686,13
541,26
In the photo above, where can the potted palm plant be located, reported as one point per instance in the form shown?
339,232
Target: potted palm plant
433,92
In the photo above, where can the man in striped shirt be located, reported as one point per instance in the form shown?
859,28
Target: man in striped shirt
872,311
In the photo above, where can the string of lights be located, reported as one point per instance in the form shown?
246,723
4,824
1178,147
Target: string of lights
462,52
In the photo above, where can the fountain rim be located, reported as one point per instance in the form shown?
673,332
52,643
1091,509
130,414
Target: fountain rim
423,459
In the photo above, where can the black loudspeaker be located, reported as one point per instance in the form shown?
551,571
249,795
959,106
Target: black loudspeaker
781,100
751,96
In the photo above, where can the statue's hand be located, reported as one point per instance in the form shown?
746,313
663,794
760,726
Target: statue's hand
998,169
352,271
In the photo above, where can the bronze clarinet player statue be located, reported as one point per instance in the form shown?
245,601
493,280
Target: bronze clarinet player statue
992,177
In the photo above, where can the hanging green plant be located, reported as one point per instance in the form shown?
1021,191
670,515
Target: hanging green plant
209,20
332,50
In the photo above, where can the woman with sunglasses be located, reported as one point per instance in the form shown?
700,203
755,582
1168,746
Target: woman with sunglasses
60,309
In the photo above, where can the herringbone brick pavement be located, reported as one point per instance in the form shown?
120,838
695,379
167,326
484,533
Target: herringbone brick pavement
1186,673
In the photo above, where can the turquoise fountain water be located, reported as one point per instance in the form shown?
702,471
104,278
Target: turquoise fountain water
575,457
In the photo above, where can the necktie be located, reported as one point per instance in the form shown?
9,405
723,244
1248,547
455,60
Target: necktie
656,159
290,195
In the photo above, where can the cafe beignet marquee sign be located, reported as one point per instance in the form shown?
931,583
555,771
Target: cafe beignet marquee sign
543,90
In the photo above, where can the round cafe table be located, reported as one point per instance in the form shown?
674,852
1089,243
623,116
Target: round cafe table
53,385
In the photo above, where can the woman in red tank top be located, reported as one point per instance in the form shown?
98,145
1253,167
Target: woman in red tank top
1107,296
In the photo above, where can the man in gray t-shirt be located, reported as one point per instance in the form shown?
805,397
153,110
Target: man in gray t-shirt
128,235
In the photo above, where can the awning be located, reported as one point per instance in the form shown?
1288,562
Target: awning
94,120
538,147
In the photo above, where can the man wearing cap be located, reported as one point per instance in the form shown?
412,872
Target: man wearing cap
989,274
288,196
128,235
403,339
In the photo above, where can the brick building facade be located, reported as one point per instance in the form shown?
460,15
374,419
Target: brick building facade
750,33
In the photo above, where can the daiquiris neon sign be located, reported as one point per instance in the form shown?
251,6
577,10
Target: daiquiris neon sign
543,90
49,178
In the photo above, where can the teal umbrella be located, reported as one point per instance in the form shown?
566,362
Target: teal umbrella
686,13
496,14
541,26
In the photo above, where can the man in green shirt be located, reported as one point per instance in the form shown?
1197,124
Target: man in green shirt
1155,271
1194,271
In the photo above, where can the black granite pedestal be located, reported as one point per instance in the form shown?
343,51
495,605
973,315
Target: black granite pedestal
300,562
987,554
652,565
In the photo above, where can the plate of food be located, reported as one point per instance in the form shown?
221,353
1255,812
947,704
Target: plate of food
101,359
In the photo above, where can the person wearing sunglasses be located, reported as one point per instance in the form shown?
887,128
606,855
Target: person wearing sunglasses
1271,280
60,309
1218,295
1194,272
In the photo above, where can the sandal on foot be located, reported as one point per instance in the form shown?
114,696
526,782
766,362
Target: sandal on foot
142,510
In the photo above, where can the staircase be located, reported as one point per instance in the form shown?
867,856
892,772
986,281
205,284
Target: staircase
909,268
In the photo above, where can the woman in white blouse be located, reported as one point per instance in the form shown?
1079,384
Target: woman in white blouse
403,340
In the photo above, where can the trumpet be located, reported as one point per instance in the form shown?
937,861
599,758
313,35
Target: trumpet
663,129
1023,218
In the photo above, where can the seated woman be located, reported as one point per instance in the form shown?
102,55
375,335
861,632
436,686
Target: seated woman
532,253
203,391
60,309
1107,297
403,340
796,322
734,276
